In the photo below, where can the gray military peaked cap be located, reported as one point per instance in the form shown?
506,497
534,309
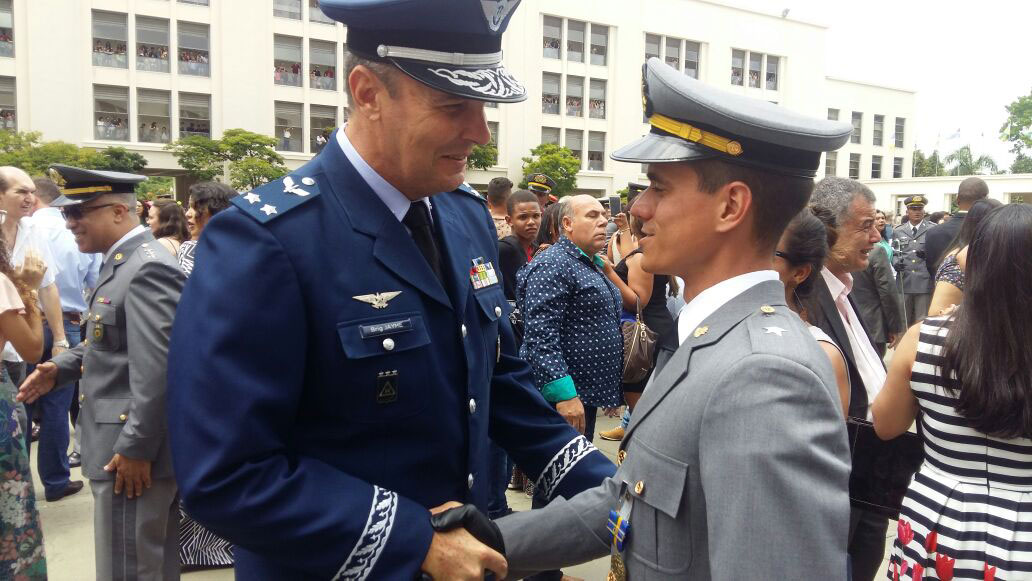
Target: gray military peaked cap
692,121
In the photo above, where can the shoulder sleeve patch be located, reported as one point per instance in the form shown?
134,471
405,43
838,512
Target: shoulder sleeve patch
277,197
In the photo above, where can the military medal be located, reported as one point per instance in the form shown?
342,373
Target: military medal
482,274
619,526
617,569
98,332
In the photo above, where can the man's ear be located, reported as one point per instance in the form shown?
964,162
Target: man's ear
367,91
508,219
733,209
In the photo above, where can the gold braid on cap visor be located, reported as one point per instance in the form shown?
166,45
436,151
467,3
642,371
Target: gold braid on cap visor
692,133
544,187
78,191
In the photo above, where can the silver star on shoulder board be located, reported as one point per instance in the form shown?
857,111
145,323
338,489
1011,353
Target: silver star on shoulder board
252,197
269,210
378,300
775,331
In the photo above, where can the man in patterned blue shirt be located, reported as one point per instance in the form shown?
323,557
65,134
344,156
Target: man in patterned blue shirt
571,313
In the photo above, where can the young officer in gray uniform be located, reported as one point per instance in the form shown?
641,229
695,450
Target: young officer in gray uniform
121,367
909,238
735,464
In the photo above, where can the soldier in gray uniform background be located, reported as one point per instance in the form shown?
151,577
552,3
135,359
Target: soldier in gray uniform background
909,240
121,368
736,463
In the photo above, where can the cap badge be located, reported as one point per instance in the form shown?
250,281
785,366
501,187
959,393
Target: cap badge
57,177
495,11
700,332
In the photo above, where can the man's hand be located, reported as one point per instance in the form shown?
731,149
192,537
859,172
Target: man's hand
133,475
894,339
38,383
572,411
457,555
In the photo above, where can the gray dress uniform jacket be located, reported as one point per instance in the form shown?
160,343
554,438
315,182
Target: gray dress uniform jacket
736,463
122,360
878,300
916,279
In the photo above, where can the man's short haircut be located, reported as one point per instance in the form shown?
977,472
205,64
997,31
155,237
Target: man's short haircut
971,190
384,71
211,197
46,190
520,197
497,190
127,199
776,198
565,209
835,195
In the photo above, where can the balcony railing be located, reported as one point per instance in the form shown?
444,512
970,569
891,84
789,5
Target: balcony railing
104,59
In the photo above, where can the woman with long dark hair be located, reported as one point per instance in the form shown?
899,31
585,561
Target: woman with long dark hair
167,222
969,373
206,200
548,232
949,278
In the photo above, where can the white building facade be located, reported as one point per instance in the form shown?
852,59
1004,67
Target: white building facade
140,73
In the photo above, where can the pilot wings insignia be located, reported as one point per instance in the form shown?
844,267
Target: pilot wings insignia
378,300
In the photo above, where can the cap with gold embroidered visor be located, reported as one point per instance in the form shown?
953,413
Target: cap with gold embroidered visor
691,120
80,185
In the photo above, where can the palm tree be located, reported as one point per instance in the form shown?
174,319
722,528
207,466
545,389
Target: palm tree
965,163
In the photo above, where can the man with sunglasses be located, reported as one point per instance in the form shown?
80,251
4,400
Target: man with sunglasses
121,366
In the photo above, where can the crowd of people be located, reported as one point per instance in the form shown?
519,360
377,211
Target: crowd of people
110,54
112,128
323,78
193,62
151,57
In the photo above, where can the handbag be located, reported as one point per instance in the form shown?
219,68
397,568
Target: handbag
639,348
882,469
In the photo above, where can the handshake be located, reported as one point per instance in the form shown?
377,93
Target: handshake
465,545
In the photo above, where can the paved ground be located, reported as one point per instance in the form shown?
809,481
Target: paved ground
68,531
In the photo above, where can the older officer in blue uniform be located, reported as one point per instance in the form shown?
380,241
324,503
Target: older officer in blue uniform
341,357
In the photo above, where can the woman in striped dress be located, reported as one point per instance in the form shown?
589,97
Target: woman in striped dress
968,511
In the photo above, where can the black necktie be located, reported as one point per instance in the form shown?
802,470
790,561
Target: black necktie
915,231
418,221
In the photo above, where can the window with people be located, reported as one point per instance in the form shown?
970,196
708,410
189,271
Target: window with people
322,70
323,120
6,29
286,60
288,126
194,115
154,110
109,39
194,56
152,44
552,37
8,104
111,113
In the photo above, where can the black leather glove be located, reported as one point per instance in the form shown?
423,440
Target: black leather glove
475,522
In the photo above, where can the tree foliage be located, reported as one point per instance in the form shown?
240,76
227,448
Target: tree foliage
250,158
964,162
155,187
1022,164
483,156
556,162
930,166
1018,127
121,159
29,152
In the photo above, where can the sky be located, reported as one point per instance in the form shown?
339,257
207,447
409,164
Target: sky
966,60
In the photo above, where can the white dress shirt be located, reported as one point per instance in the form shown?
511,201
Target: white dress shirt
870,366
708,301
29,237
397,202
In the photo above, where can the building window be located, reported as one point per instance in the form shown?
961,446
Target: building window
691,59
287,9
858,120
323,120
550,135
553,36
6,29
900,128
599,44
596,151
194,115
575,96
550,93
875,167
286,60
755,64
194,58
897,167
322,72
737,67
288,125
773,63
111,112
575,44
110,35
832,114
197,2
315,14
8,104
492,128
1019,198
597,102
854,166
151,44
154,112
673,53
830,163
879,128
575,143
651,46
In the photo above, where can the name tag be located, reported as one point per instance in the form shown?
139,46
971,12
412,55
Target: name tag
388,328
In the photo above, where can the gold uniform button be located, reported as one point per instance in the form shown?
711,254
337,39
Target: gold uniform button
85,341
82,369
81,398
118,256
96,318
124,417
621,456
639,488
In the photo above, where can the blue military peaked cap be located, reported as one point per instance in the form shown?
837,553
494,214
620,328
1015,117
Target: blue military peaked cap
691,121
80,185
454,46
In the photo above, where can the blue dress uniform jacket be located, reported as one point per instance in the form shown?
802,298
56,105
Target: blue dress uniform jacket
313,429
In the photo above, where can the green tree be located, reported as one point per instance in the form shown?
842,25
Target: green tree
155,187
1021,164
556,162
1018,127
483,156
965,163
200,156
121,159
930,166
29,152
250,158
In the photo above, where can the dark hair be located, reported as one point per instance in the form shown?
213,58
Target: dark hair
827,217
520,197
497,190
978,211
211,197
46,189
971,190
936,217
548,233
776,198
987,356
806,242
171,221
884,232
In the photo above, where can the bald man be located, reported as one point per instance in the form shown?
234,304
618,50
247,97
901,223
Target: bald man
970,191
